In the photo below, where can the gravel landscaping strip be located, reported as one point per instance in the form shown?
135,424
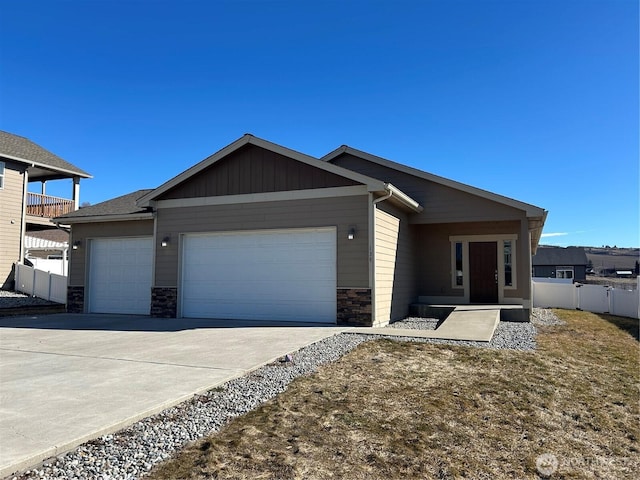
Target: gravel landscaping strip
131,452
545,317
414,323
15,300
508,335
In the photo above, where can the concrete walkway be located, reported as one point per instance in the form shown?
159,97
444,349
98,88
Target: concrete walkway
464,323
65,379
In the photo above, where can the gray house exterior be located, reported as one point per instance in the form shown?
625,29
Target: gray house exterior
257,231
558,262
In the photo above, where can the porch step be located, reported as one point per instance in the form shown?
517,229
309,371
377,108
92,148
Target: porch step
424,310
508,313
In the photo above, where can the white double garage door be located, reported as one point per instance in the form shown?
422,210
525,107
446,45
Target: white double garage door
280,275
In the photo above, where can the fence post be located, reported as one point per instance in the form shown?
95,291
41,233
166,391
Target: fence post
576,298
533,293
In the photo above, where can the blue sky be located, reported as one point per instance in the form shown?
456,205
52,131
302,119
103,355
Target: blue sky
535,100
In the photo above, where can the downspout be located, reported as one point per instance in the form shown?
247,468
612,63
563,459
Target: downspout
385,197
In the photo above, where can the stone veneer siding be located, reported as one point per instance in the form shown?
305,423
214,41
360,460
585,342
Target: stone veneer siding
75,299
164,302
354,307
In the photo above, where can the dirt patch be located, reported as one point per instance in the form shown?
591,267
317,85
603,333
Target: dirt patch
405,410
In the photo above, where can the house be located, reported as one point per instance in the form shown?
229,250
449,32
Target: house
47,250
24,166
259,232
558,262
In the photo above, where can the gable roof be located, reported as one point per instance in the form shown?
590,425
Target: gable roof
52,234
559,256
373,184
116,209
531,210
23,150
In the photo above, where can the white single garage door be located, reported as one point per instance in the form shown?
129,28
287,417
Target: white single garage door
285,275
120,275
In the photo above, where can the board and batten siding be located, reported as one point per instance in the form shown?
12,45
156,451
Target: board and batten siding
11,197
341,212
394,277
83,232
253,169
441,203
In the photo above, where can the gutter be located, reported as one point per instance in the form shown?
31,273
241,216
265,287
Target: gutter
393,191
48,167
104,218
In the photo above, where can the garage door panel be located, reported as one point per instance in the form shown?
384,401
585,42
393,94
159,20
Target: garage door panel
278,275
120,275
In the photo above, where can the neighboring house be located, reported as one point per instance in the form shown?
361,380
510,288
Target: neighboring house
47,250
258,231
22,163
557,262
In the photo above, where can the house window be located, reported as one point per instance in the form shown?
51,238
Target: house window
1,175
508,263
564,272
459,272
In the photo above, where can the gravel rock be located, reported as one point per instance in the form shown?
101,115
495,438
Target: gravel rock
14,300
130,453
545,317
415,323
508,335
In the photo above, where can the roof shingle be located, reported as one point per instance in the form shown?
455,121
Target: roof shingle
560,256
123,205
21,148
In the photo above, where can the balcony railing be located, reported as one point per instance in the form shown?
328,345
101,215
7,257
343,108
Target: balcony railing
46,206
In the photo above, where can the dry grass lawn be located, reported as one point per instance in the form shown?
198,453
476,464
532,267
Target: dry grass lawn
393,410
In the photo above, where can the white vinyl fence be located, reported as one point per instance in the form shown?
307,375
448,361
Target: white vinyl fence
57,266
592,298
39,283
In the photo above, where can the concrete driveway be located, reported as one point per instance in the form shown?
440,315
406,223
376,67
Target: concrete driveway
65,379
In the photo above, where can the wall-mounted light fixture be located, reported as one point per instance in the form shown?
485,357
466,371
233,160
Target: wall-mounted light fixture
352,233
76,245
165,241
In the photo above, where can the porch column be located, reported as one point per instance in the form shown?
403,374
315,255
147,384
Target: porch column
43,188
23,220
525,261
76,193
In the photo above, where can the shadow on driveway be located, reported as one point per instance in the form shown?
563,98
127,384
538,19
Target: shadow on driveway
136,323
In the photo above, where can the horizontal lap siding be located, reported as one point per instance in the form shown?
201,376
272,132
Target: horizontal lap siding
342,212
441,203
85,231
10,211
394,273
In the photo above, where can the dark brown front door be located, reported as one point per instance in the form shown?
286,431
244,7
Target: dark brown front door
483,272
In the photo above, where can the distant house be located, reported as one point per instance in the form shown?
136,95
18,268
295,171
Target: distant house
22,212
47,250
557,262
